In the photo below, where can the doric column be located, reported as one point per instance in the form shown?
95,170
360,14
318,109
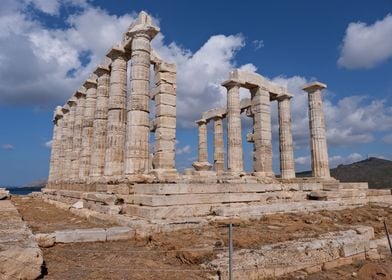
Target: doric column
63,145
202,164
56,142
77,132
100,122
318,140
262,136
87,131
164,95
287,168
219,149
115,141
138,128
234,132
69,139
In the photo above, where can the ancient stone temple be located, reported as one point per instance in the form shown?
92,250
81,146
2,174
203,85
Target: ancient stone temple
102,153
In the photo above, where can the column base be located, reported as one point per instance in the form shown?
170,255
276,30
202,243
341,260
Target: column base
165,175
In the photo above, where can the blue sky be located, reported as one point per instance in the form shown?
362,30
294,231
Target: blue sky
48,48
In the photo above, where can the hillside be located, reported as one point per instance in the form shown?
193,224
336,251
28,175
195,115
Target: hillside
377,172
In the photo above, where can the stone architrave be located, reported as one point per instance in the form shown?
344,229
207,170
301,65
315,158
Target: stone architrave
141,32
115,141
202,164
164,95
318,140
77,132
87,132
100,122
56,142
63,145
287,167
219,149
262,135
69,139
235,162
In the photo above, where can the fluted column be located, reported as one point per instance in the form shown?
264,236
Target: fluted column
138,128
234,131
87,131
219,149
63,145
69,139
262,135
56,142
287,168
77,132
100,122
115,141
202,163
318,140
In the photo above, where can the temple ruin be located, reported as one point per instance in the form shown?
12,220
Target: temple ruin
102,154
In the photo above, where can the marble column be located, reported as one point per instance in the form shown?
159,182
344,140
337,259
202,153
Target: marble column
219,149
138,125
164,95
56,142
69,139
318,140
87,131
115,141
287,167
77,132
100,122
234,132
63,145
202,163
262,135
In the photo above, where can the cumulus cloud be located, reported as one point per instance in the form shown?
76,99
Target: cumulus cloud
335,160
352,120
258,44
7,147
183,150
366,46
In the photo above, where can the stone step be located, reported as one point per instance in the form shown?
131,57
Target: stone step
208,198
374,192
343,186
332,195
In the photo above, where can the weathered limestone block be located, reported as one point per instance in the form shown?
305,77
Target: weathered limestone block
81,235
45,240
4,194
119,233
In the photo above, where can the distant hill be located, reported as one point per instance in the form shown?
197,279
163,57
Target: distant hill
377,172
36,183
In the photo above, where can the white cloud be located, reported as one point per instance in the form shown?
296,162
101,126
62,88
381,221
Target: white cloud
387,139
335,160
303,160
258,44
7,147
48,144
184,150
366,46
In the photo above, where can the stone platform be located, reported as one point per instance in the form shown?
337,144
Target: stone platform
191,200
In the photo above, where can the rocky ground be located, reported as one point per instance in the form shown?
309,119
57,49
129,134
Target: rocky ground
177,255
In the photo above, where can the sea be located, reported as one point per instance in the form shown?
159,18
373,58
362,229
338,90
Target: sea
23,190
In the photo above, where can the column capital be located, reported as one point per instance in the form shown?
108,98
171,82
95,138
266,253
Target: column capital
101,70
72,101
201,121
117,51
65,109
231,83
58,114
283,97
142,26
90,83
217,117
80,92
313,87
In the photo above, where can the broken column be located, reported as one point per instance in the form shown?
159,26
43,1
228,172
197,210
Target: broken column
262,135
137,151
234,133
77,132
318,140
56,145
87,132
115,141
100,123
164,95
219,149
202,164
287,168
